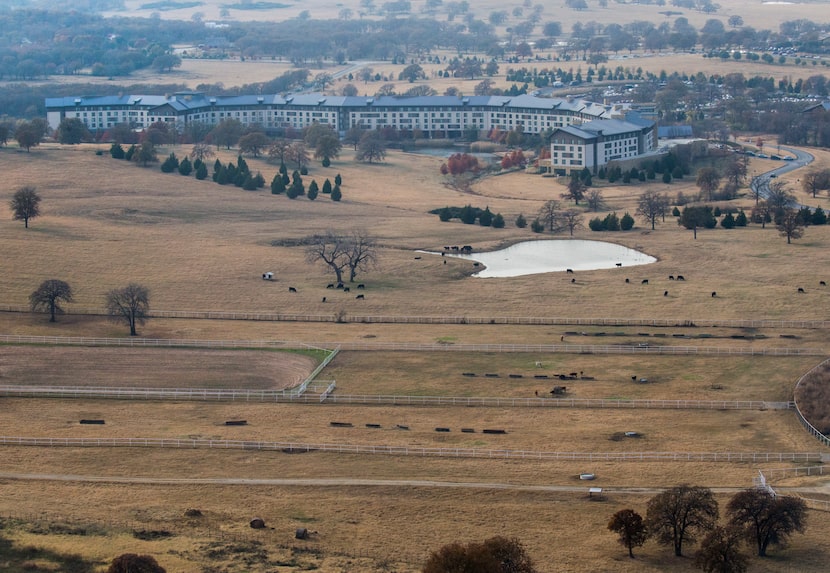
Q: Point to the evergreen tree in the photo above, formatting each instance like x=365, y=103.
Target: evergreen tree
x=498, y=221
x=445, y=214
x=336, y=195
x=338, y=180
x=292, y=192
x=297, y=187
x=196, y=163
x=741, y=219
x=326, y=187
x=627, y=222
x=467, y=214
x=128, y=156
x=170, y=164
x=303, y=170
x=241, y=164
x=326, y=162
x=249, y=184
x=486, y=218
x=185, y=167
x=611, y=222
x=716, y=211
x=666, y=177
x=537, y=226
x=201, y=172
x=312, y=190
x=240, y=177
x=116, y=151
x=675, y=212
x=283, y=169
x=521, y=222
x=221, y=176
x=231, y=169
x=819, y=217
x=277, y=186
x=596, y=224
x=286, y=180
x=728, y=221
x=217, y=165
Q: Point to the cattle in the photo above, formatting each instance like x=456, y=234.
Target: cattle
x=822, y=283
x=467, y=249
x=476, y=264
x=360, y=297
x=417, y=258
x=446, y=248
x=634, y=378
x=665, y=293
x=644, y=282
x=714, y=294
x=361, y=286
x=339, y=285
x=627, y=281
x=330, y=285
x=671, y=277
x=619, y=264
x=454, y=247
x=573, y=281
x=292, y=289
x=324, y=299
x=680, y=278
x=569, y=271
x=346, y=289
x=800, y=289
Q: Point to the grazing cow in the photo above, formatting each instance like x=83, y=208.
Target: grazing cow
x=324, y=299
x=619, y=264
x=680, y=278
x=446, y=248
x=671, y=277
x=360, y=297
x=822, y=283
x=476, y=264
x=330, y=285
x=538, y=364
x=292, y=289
x=346, y=289
x=443, y=254
x=569, y=271
x=339, y=285
x=361, y=286
x=627, y=281
x=634, y=378
x=714, y=294
x=800, y=289
x=467, y=249
x=665, y=293
x=573, y=281
x=417, y=258
x=644, y=282
x=454, y=247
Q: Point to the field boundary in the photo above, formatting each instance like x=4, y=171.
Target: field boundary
x=410, y=346
x=498, y=320
x=324, y=393
x=292, y=447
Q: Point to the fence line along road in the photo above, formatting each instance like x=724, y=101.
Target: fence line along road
x=291, y=447
x=501, y=320
x=323, y=392
x=410, y=346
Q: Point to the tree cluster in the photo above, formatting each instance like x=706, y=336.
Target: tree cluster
x=612, y=222
x=460, y=163
x=494, y=555
x=353, y=252
x=469, y=215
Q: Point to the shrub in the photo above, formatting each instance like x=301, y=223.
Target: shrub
x=336, y=195
x=445, y=214
x=521, y=222
x=627, y=222
x=498, y=221
x=596, y=224
x=537, y=226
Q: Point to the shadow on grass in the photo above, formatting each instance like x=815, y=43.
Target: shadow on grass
x=14, y=559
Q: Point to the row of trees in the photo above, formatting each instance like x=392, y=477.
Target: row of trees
x=469, y=215
x=680, y=515
x=129, y=304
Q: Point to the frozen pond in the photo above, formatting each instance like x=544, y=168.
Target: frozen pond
x=533, y=257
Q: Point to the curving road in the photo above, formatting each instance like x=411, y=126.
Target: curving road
x=802, y=159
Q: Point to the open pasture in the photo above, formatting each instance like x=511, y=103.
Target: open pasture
x=202, y=246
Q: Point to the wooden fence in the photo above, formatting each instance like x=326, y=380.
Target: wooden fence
x=804, y=422
x=171, y=394
x=292, y=447
x=514, y=320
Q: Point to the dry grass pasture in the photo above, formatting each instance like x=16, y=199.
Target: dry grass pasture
x=200, y=246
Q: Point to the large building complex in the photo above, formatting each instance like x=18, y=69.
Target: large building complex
x=585, y=134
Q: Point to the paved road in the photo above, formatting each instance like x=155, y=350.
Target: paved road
x=802, y=159
x=358, y=482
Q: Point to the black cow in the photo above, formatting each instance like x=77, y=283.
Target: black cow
x=361, y=286
x=359, y=297
x=346, y=289
x=619, y=264
x=665, y=293
x=339, y=285
x=714, y=294
x=644, y=282
x=627, y=281
x=330, y=285
x=680, y=278
x=292, y=289
x=800, y=289
x=822, y=283
x=570, y=271
x=671, y=277
x=324, y=299
x=573, y=281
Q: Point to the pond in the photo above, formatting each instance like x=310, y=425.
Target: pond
x=546, y=256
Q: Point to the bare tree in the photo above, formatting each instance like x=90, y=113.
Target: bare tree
x=371, y=148
x=202, y=151
x=571, y=220
x=816, y=180
x=49, y=296
x=652, y=205
x=790, y=224
x=576, y=189
x=675, y=515
x=25, y=205
x=130, y=304
x=298, y=153
x=708, y=180
x=594, y=199
x=330, y=249
x=361, y=253
x=779, y=199
x=279, y=150
x=758, y=186
x=767, y=519
x=630, y=527
x=549, y=215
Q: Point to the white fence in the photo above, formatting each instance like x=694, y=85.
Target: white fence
x=804, y=422
x=410, y=346
x=734, y=457
x=323, y=392
x=516, y=320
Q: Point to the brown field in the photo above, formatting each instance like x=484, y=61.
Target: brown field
x=199, y=246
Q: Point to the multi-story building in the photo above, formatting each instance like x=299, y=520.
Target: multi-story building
x=596, y=143
x=431, y=116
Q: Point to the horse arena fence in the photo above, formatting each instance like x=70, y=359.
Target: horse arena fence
x=294, y=447
x=804, y=422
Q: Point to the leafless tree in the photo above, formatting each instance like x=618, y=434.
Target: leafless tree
x=790, y=225
x=202, y=151
x=594, y=199
x=25, y=205
x=571, y=220
x=130, y=304
x=652, y=205
x=49, y=295
x=361, y=253
x=298, y=153
x=549, y=215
